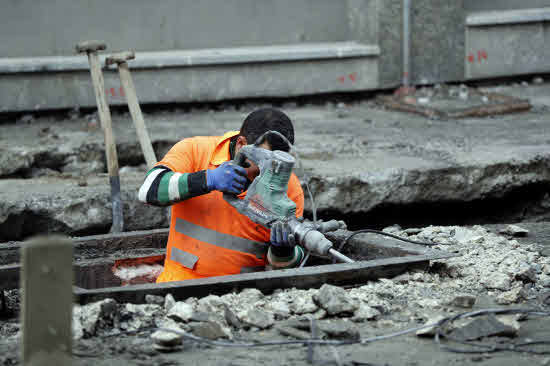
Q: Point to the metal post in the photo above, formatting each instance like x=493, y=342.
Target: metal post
x=406, y=42
x=46, y=283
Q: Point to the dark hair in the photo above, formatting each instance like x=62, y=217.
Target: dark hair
x=266, y=119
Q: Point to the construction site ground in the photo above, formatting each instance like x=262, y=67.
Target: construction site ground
x=366, y=165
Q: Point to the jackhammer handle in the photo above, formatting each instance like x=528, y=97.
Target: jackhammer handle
x=316, y=242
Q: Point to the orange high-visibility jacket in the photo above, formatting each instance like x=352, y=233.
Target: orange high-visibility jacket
x=208, y=237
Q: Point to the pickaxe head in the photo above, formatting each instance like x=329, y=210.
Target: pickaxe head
x=119, y=57
x=90, y=46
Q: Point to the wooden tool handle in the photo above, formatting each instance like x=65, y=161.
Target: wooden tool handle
x=110, y=146
x=104, y=114
x=137, y=116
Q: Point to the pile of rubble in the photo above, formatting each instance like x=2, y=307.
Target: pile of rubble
x=490, y=265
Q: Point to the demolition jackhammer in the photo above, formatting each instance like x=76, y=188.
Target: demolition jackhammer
x=267, y=202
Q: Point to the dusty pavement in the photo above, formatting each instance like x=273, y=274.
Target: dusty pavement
x=370, y=166
x=494, y=271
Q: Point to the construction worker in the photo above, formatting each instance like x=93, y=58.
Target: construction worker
x=208, y=237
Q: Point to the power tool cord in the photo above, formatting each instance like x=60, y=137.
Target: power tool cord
x=383, y=234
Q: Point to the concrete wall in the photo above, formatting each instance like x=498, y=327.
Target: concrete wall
x=484, y=5
x=176, y=33
x=53, y=27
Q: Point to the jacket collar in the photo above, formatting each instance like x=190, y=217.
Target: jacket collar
x=221, y=152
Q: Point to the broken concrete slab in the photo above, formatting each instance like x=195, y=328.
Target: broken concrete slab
x=339, y=328
x=353, y=166
x=156, y=300
x=47, y=205
x=365, y=312
x=514, y=230
x=430, y=331
x=180, y=311
x=292, y=332
x=87, y=319
x=464, y=301
x=166, y=338
x=210, y=330
x=481, y=327
x=169, y=302
x=256, y=318
x=335, y=300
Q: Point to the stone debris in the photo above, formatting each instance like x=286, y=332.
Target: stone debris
x=231, y=318
x=526, y=273
x=181, y=311
x=514, y=230
x=137, y=316
x=487, y=326
x=292, y=332
x=169, y=302
x=365, y=312
x=201, y=316
x=280, y=309
x=257, y=318
x=154, y=299
x=166, y=339
x=303, y=303
x=498, y=281
x=430, y=331
x=463, y=301
x=490, y=266
x=210, y=330
x=251, y=295
x=335, y=300
x=89, y=318
x=339, y=328
x=511, y=321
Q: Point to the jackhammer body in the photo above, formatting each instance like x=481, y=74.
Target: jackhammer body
x=267, y=202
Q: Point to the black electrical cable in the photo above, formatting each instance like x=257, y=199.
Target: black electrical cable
x=384, y=234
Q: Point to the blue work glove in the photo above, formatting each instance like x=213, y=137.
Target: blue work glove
x=281, y=235
x=228, y=177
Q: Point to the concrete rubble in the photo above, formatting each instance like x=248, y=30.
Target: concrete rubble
x=490, y=265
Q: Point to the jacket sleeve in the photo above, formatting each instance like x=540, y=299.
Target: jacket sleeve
x=174, y=179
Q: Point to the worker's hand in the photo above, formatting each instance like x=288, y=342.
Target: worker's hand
x=228, y=177
x=281, y=235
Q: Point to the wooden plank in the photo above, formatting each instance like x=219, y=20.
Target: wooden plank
x=47, y=280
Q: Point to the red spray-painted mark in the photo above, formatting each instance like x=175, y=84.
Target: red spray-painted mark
x=482, y=55
x=353, y=77
x=114, y=93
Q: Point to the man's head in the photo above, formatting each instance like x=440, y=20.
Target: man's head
x=263, y=120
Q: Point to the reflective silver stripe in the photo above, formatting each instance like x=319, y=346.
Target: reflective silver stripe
x=220, y=239
x=184, y=258
x=252, y=269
